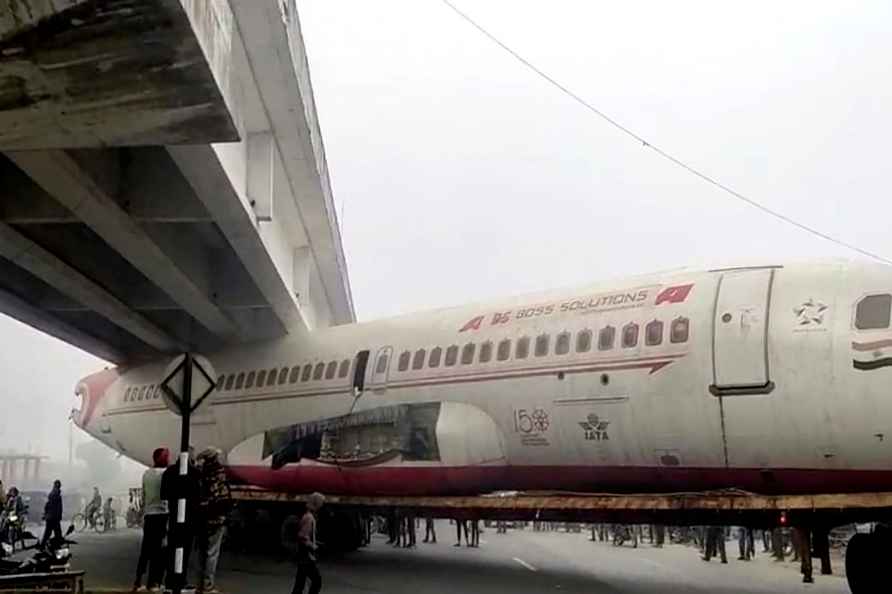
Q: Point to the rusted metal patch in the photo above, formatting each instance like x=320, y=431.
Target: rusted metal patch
x=107, y=73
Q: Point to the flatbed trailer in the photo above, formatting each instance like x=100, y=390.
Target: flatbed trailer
x=342, y=520
x=729, y=507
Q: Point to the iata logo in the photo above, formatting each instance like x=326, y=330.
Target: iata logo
x=595, y=428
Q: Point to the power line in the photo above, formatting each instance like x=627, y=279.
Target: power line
x=666, y=155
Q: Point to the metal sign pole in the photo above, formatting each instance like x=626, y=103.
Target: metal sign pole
x=179, y=398
x=186, y=411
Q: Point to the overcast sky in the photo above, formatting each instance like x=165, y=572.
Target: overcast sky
x=462, y=176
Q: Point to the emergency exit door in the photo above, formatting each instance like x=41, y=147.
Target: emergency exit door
x=740, y=326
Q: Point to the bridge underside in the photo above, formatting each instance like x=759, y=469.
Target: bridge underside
x=158, y=189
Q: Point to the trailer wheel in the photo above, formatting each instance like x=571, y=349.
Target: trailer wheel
x=862, y=563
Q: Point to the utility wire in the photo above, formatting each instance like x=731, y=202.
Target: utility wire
x=666, y=155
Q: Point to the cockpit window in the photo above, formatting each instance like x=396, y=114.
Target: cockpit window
x=873, y=312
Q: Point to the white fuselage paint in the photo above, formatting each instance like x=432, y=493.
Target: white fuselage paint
x=781, y=342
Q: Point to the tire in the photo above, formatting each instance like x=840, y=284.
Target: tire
x=80, y=521
x=862, y=559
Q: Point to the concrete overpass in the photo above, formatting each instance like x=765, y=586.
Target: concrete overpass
x=163, y=183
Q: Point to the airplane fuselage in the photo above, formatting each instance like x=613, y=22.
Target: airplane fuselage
x=770, y=379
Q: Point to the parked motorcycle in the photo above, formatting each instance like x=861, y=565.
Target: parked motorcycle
x=12, y=530
x=55, y=556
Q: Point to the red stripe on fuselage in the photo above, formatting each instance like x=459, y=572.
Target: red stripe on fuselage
x=472, y=480
x=871, y=346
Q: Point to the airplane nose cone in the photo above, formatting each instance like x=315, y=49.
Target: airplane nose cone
x=91, y=390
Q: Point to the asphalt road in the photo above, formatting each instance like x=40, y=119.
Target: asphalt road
x=521, y=562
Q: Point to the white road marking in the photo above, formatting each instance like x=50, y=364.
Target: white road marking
x=525, y=564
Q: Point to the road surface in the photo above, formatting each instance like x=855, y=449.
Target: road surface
x=520, y=562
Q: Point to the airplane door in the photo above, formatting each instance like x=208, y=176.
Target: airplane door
x=740, y=333
x=382, y=365
x=359, y=371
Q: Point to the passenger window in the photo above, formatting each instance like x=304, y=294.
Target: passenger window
x=467, y=353
x=294, y=375
x=679, y=330
x=486, y=352
x=229, y=381
x=142, y=393
x=283, y=375
x=381, y=366
x=249, y=381
x=220, y=381
x=522, y=351
x=434, y=360
x=344, y=371
x=504, y=352
x=318, y=371
x=451, y=356
x=606, y=337
x=418, y=359
x=562, y=344
x=653, y=333
x=584, y=341
x=306, y=373
x=127, y=395
x=151, y=394
x=331, y=370
x=542, y=343
x=873, y=312
x=404, y=360
x=240, y=381
x=630, y=335
x=271, y=377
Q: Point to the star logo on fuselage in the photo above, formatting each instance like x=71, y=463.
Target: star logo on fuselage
x=810, y=312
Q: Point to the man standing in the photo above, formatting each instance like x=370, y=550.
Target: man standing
x=745, y=544
x=460, y=525
x=154, y=524
x=803, y=546
x=52, y=514
x=430, y=531
x=715, y=543
x=306, y=549
x=475, y=533
x=213, y=508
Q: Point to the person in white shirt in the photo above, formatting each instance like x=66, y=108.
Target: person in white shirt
x=154, y=527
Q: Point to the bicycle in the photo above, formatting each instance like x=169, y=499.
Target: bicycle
x=81, y=520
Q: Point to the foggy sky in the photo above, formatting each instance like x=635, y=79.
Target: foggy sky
x=462, y=176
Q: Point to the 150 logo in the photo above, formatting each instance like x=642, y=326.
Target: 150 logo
x=531, y=424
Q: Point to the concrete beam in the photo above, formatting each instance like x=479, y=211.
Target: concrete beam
x=63, y=178
x=26, y=313
x=26, y=254
x=261, y=160
x=148, y=180
x=115, y=72
x=201, y=167
x=276, y=57
x=19, y=16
